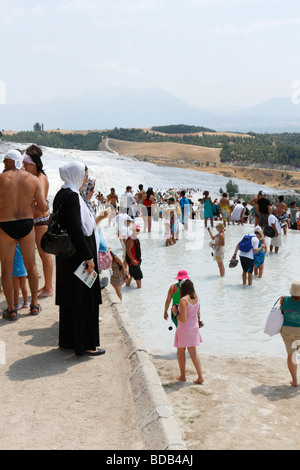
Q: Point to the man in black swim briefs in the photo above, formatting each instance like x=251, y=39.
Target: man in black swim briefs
x=17, y=228
x=18, y=189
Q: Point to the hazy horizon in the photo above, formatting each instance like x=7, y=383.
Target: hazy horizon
x=95, y=90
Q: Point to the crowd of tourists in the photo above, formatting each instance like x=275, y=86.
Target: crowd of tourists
x=25, y=218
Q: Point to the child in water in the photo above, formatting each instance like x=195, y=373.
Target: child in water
x=259, y=256
x=167, y=235
x=218, y=245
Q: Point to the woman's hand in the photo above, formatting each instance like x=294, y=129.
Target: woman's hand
x=90, y=266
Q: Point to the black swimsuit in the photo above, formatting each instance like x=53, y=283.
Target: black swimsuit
x=17, y=229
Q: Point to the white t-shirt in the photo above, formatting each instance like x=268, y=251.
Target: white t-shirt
x=236, y=213
x=272, y=219
x=254, y=243
x=125, y=232
x=126, y=200
x=121, y=222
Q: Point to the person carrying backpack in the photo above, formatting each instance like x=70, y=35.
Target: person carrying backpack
x=247, y=247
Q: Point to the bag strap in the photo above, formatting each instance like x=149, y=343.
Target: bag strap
x=55, y=214
x=276, y=302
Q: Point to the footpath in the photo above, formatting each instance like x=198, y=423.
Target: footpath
x=54, y=400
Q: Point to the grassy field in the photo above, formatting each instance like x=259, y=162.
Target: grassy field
x=201, y=159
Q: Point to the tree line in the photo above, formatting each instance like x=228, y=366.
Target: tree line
x=89, y=141
x=271, y=149
x=180, y=129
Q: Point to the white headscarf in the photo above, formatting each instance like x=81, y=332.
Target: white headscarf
x=72, y=174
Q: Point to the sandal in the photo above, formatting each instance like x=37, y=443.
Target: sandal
x=35, y=309
x=10, y=315
x=44, y=294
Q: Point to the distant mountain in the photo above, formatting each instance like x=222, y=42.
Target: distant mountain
x=103, y=109
x=274, y=115
x=111, y=107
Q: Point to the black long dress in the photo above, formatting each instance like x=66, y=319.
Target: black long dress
x=79, y=304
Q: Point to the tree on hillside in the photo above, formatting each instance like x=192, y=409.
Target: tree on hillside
x=232, y=188
x=37, y=127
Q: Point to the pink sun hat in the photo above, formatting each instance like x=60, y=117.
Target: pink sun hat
x=182, y=275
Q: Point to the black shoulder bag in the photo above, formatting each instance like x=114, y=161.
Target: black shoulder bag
x=56, y=241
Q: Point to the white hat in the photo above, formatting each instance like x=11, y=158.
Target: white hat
x=263, y=193
x=16, y=156
x=258, y=229
x=295, y=289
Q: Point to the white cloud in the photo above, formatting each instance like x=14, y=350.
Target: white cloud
x=122, y=5
x=110, y=66
x=10, y=13
x=77, y=5
x=249, y=28
x=38, y=10
x=46, y=47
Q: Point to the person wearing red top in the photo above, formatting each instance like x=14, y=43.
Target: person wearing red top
x=133, y=257
x=147, y=202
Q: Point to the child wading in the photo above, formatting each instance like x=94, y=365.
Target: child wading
x=218, y=245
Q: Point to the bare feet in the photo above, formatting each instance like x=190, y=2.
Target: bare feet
x=182, y=379
x=199, y=380
x=294, y=384
x=43, y=293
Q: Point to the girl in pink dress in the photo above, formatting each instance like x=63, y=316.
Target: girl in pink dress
x=187, y=333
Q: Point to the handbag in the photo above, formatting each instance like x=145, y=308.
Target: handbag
x=56, y=241
x=274, y=320
x=269, y=231
x=104, y=260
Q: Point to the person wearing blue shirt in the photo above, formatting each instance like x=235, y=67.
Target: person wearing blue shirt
x=185, y=209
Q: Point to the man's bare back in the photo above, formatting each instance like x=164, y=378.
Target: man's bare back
x=282, y=208
x=18, y=189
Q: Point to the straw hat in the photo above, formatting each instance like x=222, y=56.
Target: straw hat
x=259, y=230
x=295, y=289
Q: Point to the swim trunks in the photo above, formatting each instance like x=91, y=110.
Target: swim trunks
x=247, y=264
x=136, y=272
x=17, y=229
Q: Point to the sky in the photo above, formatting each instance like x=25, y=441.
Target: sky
x=209, y=53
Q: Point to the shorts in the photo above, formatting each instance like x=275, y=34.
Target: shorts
x=146, y=211
x=263, y=220
x=291, y=338
x=247, y=264
x=135, y=272
x=276, y=241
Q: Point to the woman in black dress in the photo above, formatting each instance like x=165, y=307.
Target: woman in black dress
x=78, y=304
